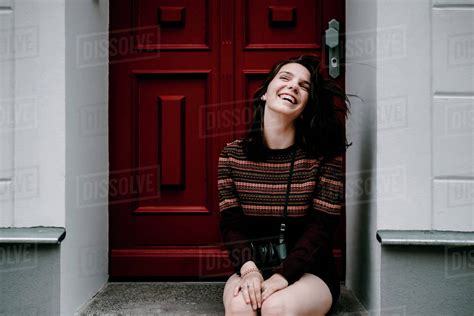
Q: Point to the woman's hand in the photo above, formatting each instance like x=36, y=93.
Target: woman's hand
x=250, y=286
x=275, y=283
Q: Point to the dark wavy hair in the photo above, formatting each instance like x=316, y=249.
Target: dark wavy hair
x=320, y=129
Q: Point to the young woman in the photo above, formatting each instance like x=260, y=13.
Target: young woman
x=295, y=119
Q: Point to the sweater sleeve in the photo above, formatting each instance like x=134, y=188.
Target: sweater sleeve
x=231, y=216
x=323, y=220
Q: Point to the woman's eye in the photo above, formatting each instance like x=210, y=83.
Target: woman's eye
x=305, y=88
x=284, y=78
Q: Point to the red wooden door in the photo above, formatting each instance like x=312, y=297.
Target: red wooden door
x=181, y=76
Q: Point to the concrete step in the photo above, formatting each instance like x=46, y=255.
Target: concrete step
x=180, y=298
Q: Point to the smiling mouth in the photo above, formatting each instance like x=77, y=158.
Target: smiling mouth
x=288, y=98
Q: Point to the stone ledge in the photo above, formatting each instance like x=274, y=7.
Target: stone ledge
x=425, y=238
x=32, y=235
x=180, y=298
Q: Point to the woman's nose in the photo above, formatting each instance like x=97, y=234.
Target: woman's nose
x=292, y=86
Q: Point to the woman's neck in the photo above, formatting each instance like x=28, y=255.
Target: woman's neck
x=278, y=132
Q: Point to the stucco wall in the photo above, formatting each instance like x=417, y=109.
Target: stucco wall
x=32, y=159
x=363, y=251
x=7, y=125
x=424, y=100
x=404, y=103
x=29, y=279
x=430, y=150
x=427, y=281
x=84, y=253
x=452, y=104
x=53, y=133
x=32, y=150
x=416, y=78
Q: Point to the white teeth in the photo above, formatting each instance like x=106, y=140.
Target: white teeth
x=288, y=98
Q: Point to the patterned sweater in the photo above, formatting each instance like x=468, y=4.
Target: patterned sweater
x=251, y=203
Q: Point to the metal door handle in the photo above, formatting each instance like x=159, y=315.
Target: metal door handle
x=332, y=41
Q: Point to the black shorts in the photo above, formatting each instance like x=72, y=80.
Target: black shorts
x=327, y=271
x=335, y=289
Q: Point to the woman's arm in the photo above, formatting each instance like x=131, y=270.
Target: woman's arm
x=231, y=216
x=236, y=242
x=323, y=220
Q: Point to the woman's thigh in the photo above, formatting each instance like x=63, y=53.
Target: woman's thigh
x=235, y=305
x=308, y=296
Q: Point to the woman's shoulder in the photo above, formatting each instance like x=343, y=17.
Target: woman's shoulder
x=235, y=143
x=234, y=147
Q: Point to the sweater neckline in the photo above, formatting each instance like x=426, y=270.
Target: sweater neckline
x=279, y=150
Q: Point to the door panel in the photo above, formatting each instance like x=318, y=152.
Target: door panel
x=269, y=25
x=182, y=24
x=169, y=120
x=177, y=96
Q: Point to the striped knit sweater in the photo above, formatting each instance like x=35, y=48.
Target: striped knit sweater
x=251, y=203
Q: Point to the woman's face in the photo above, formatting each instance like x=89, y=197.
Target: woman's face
x=288, y=92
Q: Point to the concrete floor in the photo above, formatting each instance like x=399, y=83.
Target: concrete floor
x=179, y=298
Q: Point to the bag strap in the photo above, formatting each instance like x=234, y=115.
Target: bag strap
x=285, y=210
x=317, y=186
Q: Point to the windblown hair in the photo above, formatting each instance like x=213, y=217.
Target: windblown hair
x=321, y=130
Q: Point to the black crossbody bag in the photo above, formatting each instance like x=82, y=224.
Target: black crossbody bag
x=271, y=253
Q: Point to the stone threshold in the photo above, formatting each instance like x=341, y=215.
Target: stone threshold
x=180, y=298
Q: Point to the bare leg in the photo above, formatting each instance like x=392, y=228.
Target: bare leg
x=308, y=296
x=235, y=305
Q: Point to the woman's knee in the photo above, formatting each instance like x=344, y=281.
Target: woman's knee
x=274, y=306
x=237, y=306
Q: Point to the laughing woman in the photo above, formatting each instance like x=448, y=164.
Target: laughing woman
x=290, y=163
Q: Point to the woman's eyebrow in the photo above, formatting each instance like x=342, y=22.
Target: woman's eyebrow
x=291, y=74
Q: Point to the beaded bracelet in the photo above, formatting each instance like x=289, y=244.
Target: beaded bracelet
x=248, y=271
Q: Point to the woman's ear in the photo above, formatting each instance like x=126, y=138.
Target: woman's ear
x=263, y=97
